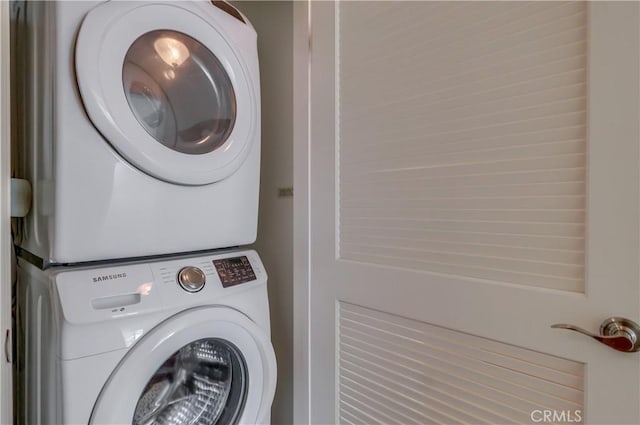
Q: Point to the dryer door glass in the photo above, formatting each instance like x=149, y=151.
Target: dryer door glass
x=179, y=92
x=205, y=383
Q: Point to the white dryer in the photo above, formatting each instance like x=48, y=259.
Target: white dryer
x=138, y=127
x=177, y=341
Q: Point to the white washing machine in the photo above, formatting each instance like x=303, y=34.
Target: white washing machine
x=138, y=127
x=177, y=341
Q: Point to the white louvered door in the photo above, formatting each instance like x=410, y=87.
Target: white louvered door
x=474, y=178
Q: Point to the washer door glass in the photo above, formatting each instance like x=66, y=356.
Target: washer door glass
x=179, y=92
x=205, y=382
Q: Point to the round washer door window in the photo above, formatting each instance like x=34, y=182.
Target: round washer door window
x=205, y=365
x=205, y=382
x=179, y=92
x=172, y=87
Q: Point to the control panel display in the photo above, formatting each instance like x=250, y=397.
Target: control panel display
x=234, y=271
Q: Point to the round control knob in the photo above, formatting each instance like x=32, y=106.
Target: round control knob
x=191, y=279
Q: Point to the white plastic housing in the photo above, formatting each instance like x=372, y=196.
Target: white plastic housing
x=89, y=202
x=77, y=351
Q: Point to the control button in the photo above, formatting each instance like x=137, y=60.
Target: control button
x=192, y=279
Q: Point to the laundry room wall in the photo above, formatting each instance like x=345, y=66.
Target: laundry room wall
x=273, y=21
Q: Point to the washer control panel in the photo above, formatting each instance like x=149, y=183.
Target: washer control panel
x=191, y=279
x=234, y=271
x=93, y=294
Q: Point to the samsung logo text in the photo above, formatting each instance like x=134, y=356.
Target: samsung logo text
x=106, y=277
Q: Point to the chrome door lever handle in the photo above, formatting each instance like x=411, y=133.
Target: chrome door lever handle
x=616, y=332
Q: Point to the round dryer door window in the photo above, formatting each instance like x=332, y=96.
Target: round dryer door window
x=205, y=382
x=172, y=87
x=179, y=92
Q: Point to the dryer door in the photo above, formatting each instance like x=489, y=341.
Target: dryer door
x=168, y=89
x=209, y=365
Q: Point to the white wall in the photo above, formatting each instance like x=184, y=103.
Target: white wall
x=273, y=21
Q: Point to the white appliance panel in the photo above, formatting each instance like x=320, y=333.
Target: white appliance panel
x=76, y=339
x=90, y=202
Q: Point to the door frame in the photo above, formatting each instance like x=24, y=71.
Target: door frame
x=6, y=385
x=302, y=43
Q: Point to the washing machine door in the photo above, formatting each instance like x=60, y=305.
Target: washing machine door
x=208, y=365
x=169, y=89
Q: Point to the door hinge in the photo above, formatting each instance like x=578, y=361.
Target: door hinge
x=285, y=192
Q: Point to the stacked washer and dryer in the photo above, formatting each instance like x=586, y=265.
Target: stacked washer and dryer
x=138, y=128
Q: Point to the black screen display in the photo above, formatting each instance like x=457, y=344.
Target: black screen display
x=234, y=271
